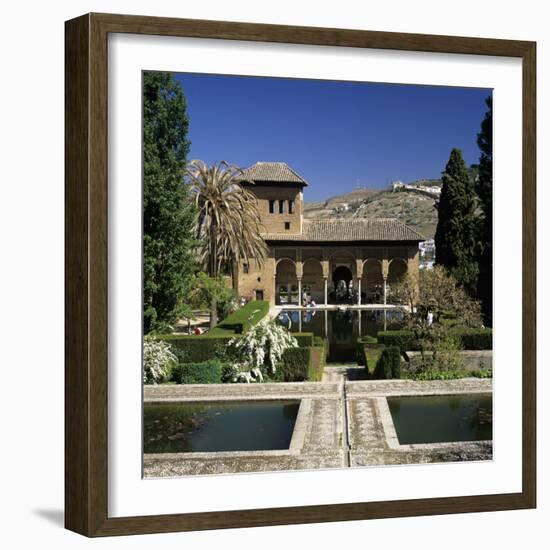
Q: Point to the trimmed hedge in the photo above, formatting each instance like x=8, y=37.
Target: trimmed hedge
x=196, y=349
x=294, y=364
x=301, y=364
x=362, y=357
x=242, y=320
x=208, y=372
x=318, y=341
x=388, y=365
x=470, y=338
x=305, y=339
x=403, y=339
x=317, y=358
x=475, y=338
x=368, y=341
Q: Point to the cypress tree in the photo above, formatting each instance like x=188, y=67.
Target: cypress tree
x=456, y=236
x=484, y=188
x=168, y=216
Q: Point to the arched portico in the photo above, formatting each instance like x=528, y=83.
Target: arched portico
x=313, y=284
x=286, y=282
x=372, y=280
x=341, y=279
x=314, y=273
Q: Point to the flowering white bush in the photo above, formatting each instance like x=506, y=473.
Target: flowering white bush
x=261, y=347
x=157, y=358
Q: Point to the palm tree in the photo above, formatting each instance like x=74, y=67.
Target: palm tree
x=228, y=223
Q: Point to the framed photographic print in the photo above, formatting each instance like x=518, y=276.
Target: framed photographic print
x=300, y=275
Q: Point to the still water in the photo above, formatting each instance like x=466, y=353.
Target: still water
x=442, y=418
x=183, y=427
x=341, y=329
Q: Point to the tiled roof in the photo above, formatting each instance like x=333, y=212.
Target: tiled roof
x=277, y=172
x=358, y=229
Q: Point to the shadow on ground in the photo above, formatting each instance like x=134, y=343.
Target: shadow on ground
x=356, y=373
x=57, y=517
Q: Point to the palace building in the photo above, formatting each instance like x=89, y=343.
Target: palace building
x=339, y=260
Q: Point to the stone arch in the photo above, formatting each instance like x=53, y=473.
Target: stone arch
x=397, y=269
x=342, y=273
x=372, y=281
x=313, y=283
x=286, y=281
x=285, y=259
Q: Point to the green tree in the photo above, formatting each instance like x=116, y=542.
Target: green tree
x=484, y=188
x=456, y=236
x=228, y=223
x=168, y=215
x=432, y=296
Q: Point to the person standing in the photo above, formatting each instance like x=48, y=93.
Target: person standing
x=430, y=318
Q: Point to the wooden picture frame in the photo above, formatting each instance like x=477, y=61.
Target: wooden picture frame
x=86, y=279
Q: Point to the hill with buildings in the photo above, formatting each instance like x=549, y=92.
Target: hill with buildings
x=409, y=203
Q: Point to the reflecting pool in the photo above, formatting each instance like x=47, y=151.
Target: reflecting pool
x=341, y=328
x=442, y=418
x=183, y=427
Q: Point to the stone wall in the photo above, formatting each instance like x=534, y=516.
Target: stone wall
x=275, y=223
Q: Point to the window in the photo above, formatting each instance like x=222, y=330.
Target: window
x=287, y=225
x=291, y=206
x=272, y=207
x=245, y=268
x=281, y=207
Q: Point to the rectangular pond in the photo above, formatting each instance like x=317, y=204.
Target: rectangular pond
x=341, y=328
x=442, y=418
x=183, y=427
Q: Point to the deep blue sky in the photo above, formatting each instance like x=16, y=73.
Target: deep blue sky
x=336, y=135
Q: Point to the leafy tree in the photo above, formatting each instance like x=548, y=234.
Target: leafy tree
x=206, y=289
x=168, y=215
x=432, y=296
x=456, y=242
x=228, y=223
x=484, y=190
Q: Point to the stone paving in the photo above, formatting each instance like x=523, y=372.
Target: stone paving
x=319, y=440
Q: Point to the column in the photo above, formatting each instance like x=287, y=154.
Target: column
x=359, y=272
x=299, y=274
x=326, y=290
x=385, y=318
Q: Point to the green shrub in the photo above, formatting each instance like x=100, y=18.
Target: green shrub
x=474, y=338
x=318, y=341
x=294, y=364
x=305, y=339
x=241, y=320
x=469, y=338
x=403, y=339
x=316, y=363
x=388, y=365
x=369, y=341
x=196, y=349
x=209, y=372
x=482, y=373
x=362, y=356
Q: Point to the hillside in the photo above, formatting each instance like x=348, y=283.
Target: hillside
x=417, y=210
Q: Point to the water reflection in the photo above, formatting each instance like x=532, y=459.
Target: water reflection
x=340, y=327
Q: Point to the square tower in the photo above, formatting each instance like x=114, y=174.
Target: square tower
x=279, y=190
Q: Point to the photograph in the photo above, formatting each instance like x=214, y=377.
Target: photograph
x=317, y=269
